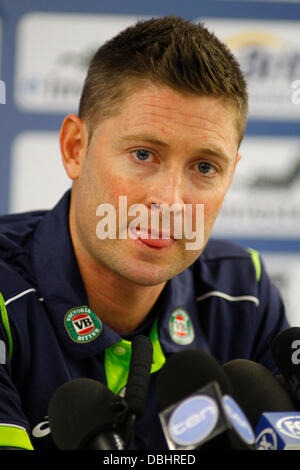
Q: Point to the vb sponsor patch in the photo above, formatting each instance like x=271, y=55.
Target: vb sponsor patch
x=82, y=324
x=181, y=328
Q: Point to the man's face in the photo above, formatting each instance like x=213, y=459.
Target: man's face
x=162, y=148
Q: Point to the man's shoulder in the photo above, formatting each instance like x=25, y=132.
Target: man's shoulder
x=227, y=266
x=16, y=239
x=16, y=231
x=218, y=250
x=17, y=227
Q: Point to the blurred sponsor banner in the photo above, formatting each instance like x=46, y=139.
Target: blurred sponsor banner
x=37, y=178
x=2, y=83
x=264, y=199
x=2, y=92
x=269, y=54
x=1, y=42
x=284, y=270
x=53, y=51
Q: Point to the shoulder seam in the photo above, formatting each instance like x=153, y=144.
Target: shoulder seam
x=5, y=319
x=25, y=292
x=228, y=297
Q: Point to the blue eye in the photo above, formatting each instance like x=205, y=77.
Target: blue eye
x=143, y=154
x=205, y=168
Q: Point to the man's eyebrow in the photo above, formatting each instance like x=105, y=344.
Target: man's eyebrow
x=212, y=151
x=145, y=137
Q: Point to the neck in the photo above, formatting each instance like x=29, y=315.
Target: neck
x=119, y=303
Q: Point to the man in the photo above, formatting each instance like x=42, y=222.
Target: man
x=161, y=117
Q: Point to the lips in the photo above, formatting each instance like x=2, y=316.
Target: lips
x=157, y=243
x=153, y=239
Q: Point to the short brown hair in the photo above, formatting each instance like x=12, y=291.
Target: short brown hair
x=168, y=51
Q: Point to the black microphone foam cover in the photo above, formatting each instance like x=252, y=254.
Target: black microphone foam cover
x=256, y=389
x=139, y=374
x=283, y=341
x=283, y=349
x=79, y=410
x=185, y=372
x=286, y=352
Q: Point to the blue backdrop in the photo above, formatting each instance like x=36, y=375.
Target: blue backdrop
x=15, y=120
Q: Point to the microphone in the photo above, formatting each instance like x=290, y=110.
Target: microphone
x=137, y=382
x=84, y=414
x=256, y=389
x=139, y=374
x=286, y=353
x=197, y=411
x=278, y=431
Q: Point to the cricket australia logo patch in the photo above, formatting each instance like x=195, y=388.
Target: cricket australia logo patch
x=180, y=327
x=82, y=324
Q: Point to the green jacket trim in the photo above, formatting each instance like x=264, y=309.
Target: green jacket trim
x=256, y=261
x=117, y=360
x=5, y=322
x=11, y=436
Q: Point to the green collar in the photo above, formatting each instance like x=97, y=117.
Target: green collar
x=117, y=360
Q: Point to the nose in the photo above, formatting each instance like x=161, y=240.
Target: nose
x=167, y=190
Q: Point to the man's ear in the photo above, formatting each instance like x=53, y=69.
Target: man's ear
x=73, y=140
x=238, y=158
